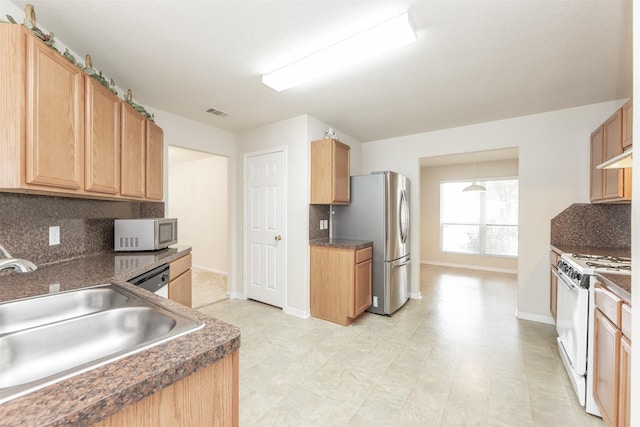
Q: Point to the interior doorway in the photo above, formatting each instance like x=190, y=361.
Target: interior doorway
x=464, y=169
x=198, y=196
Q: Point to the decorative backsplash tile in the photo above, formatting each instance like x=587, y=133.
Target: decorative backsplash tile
x=86, y=226
x=600, y=225
x=316, y=214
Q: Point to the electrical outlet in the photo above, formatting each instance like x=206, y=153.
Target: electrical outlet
x=375, y=301
x=54, y=287
x=54, y=235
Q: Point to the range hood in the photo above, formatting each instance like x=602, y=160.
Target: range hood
x=620, y=161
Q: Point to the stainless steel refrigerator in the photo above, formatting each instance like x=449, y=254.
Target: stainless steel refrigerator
x=379, y=211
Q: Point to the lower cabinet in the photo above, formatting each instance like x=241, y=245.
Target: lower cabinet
x=180, y=280
x=340, y=283
x=208, y=397
x=553, y=284
x=612, y=357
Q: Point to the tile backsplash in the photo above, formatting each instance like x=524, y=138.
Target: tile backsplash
x=86, y=226
x=596, y=225
x=316, y=214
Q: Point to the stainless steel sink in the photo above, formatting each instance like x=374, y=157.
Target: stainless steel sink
x=50, y=338
x=31, y=312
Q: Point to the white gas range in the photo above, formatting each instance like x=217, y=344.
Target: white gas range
x=575, y=313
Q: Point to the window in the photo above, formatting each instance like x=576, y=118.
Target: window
x=480, y=223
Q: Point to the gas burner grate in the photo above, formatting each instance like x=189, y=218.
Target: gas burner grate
x=605, y=258
x=613, y=267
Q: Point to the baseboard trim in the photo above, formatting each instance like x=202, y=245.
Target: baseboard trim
x=415, y=295
x=540, y=318
x=236, y=295
x=470, y=267
x=210, y=270
x=303, y=314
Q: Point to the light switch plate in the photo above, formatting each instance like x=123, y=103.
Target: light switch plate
x=54, y=235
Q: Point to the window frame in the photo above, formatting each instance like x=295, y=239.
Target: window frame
x=483, y=225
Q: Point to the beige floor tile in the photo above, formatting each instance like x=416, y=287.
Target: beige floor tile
x=207, y=287
x=456, y=357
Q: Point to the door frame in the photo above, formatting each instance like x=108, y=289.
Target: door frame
x=245, y=219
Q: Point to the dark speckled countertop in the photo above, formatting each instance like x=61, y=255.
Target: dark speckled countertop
x=340, y=243
x=620, y=284
x=89, y=397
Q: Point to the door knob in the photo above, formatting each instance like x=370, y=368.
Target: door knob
x=278, y=237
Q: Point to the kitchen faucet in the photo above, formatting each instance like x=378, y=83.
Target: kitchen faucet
x=17, y=264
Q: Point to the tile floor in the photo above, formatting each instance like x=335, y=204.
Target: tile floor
x=207, y=287
x=457, y=357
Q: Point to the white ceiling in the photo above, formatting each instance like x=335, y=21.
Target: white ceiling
x=475, y=61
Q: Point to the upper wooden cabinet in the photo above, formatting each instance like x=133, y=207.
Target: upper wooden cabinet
x=330, y=172
x=154, y=162
x=627, y=124
x=609, y=185
x=102, y=139
x=133, y=171
x=41, y=116
x=64, y=133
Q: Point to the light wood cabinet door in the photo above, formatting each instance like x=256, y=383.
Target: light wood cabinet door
x=627, y=125
x=597, y=157
x=624, y=413
x=554, y=257
x=208, y=397
x=361, y=289
x=133, y=161
x=180, y=280
x=606, y=385
x=180, y=289
x=330, y=172
x=154, y=166
x=553, y=294
x=341, y=173
x=613, y=179
x=102, y=139
x=340, y=288
x=54, y=119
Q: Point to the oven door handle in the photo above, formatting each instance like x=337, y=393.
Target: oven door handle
x=570, y=286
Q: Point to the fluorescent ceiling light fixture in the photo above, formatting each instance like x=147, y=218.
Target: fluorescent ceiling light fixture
x=382, y=38
x=624, y=160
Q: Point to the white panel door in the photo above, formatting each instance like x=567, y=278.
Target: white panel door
x=264, y=226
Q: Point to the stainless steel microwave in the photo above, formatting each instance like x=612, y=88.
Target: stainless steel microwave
x=144, y=234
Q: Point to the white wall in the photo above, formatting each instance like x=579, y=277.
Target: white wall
x=198, y=197
x=186, y=133
x=295, y=134
x=430, y=179
x=549, y=182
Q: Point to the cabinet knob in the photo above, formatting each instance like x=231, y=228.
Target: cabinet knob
x=278, y=237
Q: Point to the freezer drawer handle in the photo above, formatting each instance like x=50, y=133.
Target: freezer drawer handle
x=402, y=264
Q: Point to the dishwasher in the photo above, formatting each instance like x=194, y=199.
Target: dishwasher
x=156, y=280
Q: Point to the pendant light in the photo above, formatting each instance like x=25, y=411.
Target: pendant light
x=474, y=186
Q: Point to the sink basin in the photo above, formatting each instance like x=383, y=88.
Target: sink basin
x=31, y=312
x=77, y=331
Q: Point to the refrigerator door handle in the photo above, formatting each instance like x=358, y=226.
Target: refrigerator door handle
x=404, y=216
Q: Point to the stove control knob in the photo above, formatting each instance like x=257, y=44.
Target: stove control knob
x=578, y=276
